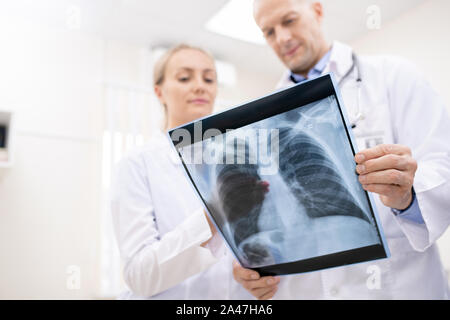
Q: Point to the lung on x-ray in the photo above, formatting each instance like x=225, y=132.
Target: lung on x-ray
x=277, y=176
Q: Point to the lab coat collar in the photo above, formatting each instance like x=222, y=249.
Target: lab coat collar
x=340, y=61
x=160, y=138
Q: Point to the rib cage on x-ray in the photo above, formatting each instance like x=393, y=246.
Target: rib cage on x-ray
x=313, y=177
x=304, y=165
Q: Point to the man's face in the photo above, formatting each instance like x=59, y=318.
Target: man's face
x=293, y=29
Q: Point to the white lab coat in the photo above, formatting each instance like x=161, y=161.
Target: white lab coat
x=159, y=226
x=399, y=107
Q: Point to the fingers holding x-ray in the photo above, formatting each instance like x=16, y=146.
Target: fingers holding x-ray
x=389, y=171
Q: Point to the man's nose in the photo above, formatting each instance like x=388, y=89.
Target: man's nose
x=283, y=35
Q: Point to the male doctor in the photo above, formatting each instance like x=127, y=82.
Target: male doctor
x=403, y=130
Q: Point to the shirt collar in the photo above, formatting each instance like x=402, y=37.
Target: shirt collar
x=320, y=66
x=315, y=71
x=340, y=61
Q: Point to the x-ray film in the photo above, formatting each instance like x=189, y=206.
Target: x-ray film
x=277, y=177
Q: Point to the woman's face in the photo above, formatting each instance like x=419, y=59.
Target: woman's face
x=189, y=88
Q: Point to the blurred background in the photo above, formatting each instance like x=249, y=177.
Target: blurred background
x=75, y=95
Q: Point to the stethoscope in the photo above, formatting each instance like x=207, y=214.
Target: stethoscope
x=359, y=114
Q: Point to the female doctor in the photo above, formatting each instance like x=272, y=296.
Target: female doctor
x=169, y=247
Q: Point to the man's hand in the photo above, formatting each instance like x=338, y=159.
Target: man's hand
x=262, y=288
x=389, y=171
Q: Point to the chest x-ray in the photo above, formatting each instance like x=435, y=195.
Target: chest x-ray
x=284, y=189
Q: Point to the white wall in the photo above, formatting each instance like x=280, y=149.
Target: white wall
x=250, y=85
x=51, y=199
x=420, y=35
x=48, y=199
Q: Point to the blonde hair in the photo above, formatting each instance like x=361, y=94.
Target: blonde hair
x=160, y=67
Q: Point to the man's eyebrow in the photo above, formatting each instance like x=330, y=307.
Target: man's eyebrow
x=290, y=13
x=282, y=18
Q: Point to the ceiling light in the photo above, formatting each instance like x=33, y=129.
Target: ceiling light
x=235, y=20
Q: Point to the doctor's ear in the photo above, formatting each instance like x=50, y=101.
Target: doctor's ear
x=317, y=8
